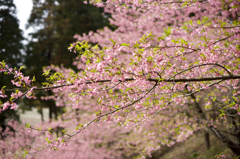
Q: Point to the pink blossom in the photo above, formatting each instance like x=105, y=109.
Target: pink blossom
x=16, y=83
x=6, y=105
x=2, y=94
x=49, y=134
x=14, y=106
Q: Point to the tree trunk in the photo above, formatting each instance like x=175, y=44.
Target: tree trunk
x=42, y=118
x=207, y=140
x=61, y=112
x=77, y=115
x=50, y=113
x=234, y=147
x=52, y=108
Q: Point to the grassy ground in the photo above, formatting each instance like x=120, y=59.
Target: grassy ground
x=194, y=148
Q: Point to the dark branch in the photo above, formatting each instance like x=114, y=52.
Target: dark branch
x=149, y=79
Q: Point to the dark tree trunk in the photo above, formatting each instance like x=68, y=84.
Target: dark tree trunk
x=61, y=112
x=42, y=118
x=77, y=114
x=207, y=140
x=234, y=147
x=55, y=112
x=52, y=108
x=50, y=113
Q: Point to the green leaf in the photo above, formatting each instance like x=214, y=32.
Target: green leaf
x=3, y=64
x=25, y=153
x=167, y=31
x=191, y=22
x=34, y=79
x=185, y=4
x=45, y=83
x=124, y=44
x=22, y=67
x=46, y=73
x=114, y=42
x=28, y=125
x=95, y=47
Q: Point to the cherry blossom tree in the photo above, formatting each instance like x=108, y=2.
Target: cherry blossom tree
x=169, y=69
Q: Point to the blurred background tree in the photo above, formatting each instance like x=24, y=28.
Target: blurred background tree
x=56, y=22
x=10, y=52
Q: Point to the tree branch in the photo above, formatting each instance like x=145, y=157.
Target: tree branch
x=181, y=80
